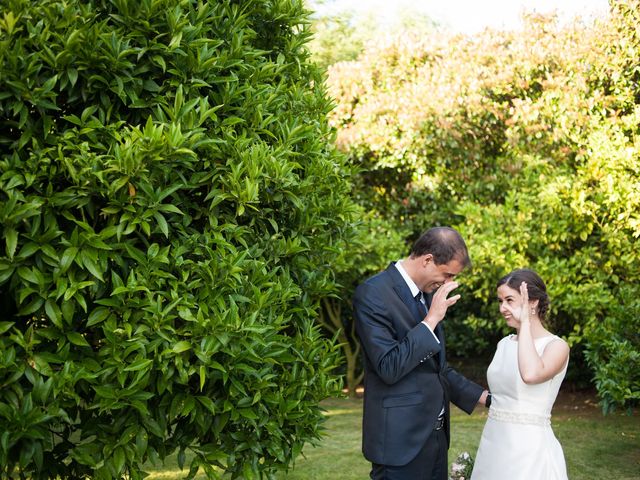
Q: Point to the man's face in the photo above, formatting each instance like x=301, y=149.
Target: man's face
x=433, y=276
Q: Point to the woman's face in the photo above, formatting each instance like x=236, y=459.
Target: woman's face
x=509, y=297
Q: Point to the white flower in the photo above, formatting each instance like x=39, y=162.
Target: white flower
x=462, y=467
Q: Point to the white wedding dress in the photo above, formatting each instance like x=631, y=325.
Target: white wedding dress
x=517, y=442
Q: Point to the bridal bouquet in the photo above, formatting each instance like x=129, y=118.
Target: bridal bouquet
x=462, y=467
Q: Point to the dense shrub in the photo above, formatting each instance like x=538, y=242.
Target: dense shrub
x=614, y=351
x=528, y=143
x=170, y=208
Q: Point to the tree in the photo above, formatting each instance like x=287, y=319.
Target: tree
x=170, y=208
x=344, y=35
x=337, y=38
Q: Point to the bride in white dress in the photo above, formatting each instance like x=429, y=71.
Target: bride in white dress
x=524, y=377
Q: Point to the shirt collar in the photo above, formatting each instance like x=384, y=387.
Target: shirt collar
x=410, y=283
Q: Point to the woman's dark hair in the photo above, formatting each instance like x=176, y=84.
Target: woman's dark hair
x=444, y=243
x=535, y=286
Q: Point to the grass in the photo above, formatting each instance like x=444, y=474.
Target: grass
x=595, y=446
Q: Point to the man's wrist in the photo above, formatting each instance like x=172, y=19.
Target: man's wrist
x=430, y=323
x=487, y=402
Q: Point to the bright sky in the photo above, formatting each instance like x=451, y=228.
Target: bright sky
x=469, y=16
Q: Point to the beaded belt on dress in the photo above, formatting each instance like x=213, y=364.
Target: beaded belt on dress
x=519, y=417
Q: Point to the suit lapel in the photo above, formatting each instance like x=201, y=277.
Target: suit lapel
x=404, y=292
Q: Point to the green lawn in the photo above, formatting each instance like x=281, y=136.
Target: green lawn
x=595, y=447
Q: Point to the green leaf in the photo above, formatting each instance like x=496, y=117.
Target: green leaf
x=68, y=308
x=28, y=275
x=118, y=460
x=6, y=274
x=151, y=85
x=141, y=364
x=72, y=74
x=77, y=339
x=248, y=413
x=72, y=119
x=49, y=84
x=5, y=326
x=186, y=314
x=203, y=376
x=91, y=266
x=98, y=315
x=67, y=258
x=107, y=392
x=11, y=237
x=175, y=42
x=160, y=61
x=153, y=250
x=120, y=290
x=162, y=223
x=181, y=346
x=28, y=249
x=167, y=207
x=32, y=307
x=208, y=403
x=54, y=313
x=88, y=111
x=142, y=441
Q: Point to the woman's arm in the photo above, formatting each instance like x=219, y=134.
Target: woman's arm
x=535, y=368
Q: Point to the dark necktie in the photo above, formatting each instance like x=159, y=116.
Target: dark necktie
x=422, y=308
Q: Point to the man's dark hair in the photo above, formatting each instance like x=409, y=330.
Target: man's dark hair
x=444, y=243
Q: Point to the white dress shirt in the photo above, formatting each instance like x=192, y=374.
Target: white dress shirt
x=414, y=291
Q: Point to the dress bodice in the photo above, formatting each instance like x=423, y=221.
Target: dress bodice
x=508, y=390
x=517, y=441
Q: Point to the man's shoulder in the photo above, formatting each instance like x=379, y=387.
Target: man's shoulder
x=383, y=277
x=377, y=283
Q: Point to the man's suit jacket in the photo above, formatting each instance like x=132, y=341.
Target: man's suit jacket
x=407, y=380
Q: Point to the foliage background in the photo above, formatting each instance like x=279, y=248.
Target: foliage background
x=527, y=142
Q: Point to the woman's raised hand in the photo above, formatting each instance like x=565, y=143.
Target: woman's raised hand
x=520, y=313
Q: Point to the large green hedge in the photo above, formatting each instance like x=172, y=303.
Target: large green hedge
x=527, y=142
x=170, y=208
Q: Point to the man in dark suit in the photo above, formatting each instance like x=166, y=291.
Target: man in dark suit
x=408, y=384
